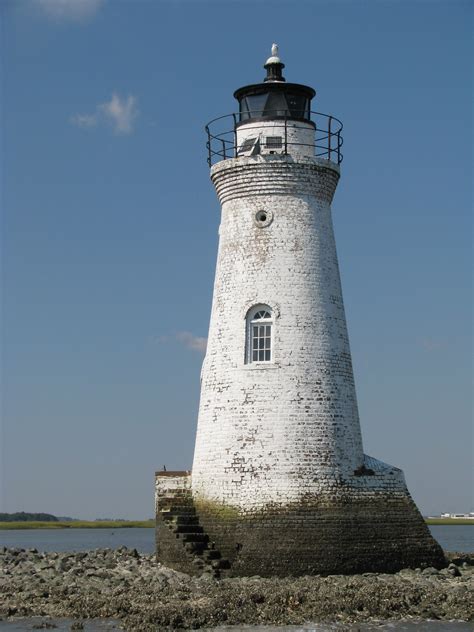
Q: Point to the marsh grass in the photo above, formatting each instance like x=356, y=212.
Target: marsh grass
x=80, y=524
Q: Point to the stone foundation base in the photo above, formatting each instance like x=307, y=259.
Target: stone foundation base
x=354, y=531
x=372, y=535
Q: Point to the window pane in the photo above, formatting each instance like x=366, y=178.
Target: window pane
x=244, y=110
x=276, y=105
x=256, y=104
x=297, y=105
x=259, y=335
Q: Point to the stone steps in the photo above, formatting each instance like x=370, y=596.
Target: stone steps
x=179, y=514
x=187, y=528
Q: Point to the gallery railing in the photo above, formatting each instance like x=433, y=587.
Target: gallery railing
x=222, y=135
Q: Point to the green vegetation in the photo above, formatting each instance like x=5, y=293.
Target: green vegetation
x=219, y=510
x=78, y=524
x=22, y=516
x=463, y=521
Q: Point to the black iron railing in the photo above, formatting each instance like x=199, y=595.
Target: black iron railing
x=222, y=136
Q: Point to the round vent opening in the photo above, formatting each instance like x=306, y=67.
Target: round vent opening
x=263, y=218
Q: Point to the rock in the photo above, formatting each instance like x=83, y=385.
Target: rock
x=61, y=565
x=147, y=596
x=429, y=571
x=454, y=570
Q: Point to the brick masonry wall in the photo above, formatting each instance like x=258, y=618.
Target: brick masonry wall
x=349, y=529
x=172, y=490
x=280, y=482
x=275, y=432
x=329, y=534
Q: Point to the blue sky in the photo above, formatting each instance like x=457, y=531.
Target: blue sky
x=109, y=232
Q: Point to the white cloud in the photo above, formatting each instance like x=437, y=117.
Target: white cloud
x=186, y=338
x=189, y=340
x=120, y=113
x=69, y=10
x=84, y=120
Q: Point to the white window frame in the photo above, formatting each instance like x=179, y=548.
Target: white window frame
x=251, y=322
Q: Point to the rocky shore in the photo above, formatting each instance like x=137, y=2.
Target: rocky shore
x=146, y=596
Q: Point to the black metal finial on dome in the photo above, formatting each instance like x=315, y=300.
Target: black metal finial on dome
x=274, y=66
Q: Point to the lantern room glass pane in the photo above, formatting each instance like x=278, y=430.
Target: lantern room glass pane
x=297, y=104
x=244, y=110
x=276, y=105
x=256, y=105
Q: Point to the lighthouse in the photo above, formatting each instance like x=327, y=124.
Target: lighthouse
x=280, y=484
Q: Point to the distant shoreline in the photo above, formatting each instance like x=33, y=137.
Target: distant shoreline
x=79, y=524
x=149, y=524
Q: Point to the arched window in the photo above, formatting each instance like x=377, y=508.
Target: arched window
x=259, y=334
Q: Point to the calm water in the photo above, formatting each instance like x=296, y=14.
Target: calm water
x=451, y=538
x=79, y=539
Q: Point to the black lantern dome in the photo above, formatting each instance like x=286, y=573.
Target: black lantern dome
x=274, y=98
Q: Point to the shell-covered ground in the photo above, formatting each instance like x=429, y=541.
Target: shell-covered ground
x=146, y=596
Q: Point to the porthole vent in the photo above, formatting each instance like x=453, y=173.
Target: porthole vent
x=263, y=218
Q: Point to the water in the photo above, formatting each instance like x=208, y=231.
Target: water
x=451, y=538
x=79, y=539
x=456, y=537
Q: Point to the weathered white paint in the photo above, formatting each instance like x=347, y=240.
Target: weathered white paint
x=169, y=485
x=276, y=433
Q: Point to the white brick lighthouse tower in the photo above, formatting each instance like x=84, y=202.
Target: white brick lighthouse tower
x=280, y=484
